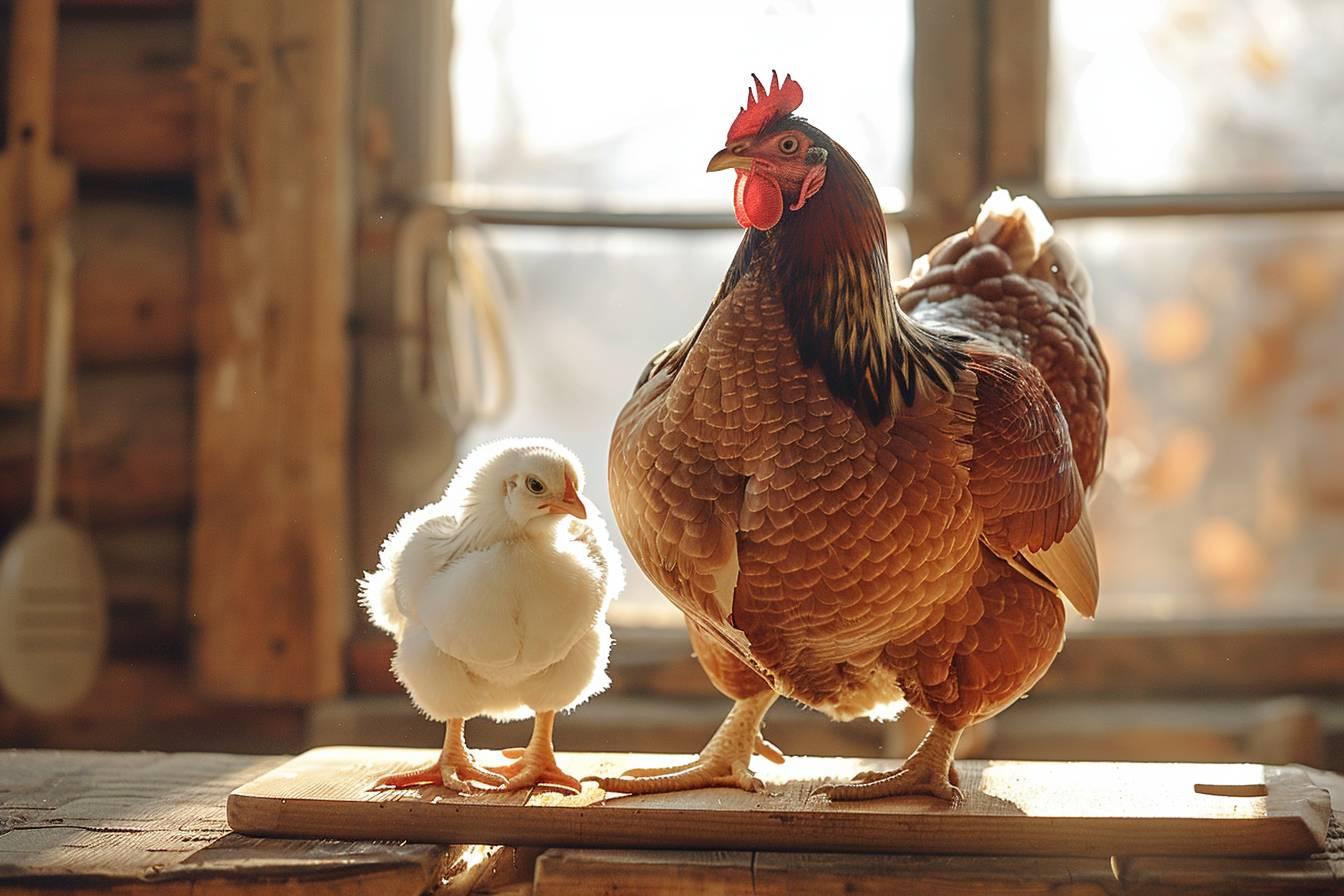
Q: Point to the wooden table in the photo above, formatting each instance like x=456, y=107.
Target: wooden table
x=152, y=824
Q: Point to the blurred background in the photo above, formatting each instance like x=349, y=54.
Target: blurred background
x=323, y=249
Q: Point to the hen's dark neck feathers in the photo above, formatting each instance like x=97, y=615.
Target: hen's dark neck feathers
x=827, y=263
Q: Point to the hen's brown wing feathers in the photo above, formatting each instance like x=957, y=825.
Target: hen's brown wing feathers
x=1022, y=472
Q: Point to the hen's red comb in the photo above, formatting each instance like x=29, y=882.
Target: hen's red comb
x=765, y=106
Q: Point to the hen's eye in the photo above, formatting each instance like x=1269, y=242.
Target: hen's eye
x=788, y=145
x=534, y=485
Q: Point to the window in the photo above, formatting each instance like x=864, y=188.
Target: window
x=1209, y=211
x=612, y=111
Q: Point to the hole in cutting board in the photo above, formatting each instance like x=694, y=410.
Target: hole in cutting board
x=1232, y=789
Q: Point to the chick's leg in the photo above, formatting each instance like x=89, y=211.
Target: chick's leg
x=536, y=765
x=454, y=770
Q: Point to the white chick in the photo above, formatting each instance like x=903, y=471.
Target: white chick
x=497, y=596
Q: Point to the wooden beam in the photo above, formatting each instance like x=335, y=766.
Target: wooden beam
x=945, y=156
x=148, y=704
x=1017, y=92
x=135, y=282
x=271, y=582
x=123, y=95
x=145, y=572
x=127, y=453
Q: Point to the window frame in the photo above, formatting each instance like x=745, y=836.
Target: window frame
x=980, y=99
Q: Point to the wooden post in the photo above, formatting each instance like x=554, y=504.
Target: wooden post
x=271, y=584
x=945, y=158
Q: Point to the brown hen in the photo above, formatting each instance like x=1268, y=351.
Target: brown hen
x=859, y=492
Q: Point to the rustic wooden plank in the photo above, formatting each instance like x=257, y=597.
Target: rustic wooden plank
x=135, y=281
x=571, y=872
x=780, y=874
x=1011, y=808
x=127, y=450
x=1201, y=657
x=123, y=98
x=271, y=583
x=148, y=704
x=673, y=872
x=145, y=574
x=133, y=823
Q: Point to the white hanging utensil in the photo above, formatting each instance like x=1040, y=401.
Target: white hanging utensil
x=53, y=615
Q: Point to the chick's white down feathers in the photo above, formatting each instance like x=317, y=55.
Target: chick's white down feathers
x=496, y=600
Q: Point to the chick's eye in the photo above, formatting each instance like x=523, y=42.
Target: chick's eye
x=788, y=145
x=534, y=485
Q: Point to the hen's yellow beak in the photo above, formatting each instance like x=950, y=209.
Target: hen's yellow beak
x=725, y=159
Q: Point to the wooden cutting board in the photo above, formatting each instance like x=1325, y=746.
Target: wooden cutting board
x=1011, y=808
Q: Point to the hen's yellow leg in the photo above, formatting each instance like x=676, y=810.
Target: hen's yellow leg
x=455, y=768
x=724, y=762
x=928, y=771
x=536, y=765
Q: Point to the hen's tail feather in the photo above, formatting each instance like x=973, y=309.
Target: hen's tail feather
x=1021, y=229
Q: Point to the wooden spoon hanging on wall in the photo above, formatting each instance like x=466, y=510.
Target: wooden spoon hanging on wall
x=53, y=616
x=36, y=192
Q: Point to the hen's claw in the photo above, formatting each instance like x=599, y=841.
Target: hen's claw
x=929, y=770
x=767, y=750
x=905, y=782
x=724, y=762
x=703, y=772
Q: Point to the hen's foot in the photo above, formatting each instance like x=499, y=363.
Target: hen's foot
x=455, y=770
x=536, y=766
x=929, y=770
x=724, y=762
x=905, y=782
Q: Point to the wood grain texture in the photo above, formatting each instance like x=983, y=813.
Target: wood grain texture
x=1011, y=808
x=154, y=823
x=148, y=704
x=123, y=96
x=123, y=93
x=36, y=192
x=272, y=588
x=127, y=452
x=135, y=283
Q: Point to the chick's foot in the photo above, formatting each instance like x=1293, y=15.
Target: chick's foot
x=928, y=771
x=455, y=769
x=724, y=762
x=536, y=765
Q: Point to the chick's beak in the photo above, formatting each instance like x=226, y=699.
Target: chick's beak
x=725, y=159
x=571, y=503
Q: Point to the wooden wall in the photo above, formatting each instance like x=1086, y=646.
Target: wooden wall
x=124, y=115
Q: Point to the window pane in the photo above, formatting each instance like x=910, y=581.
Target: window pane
x=594, y=307
x=1223, y=492
x=606, y=102
x=1161, y=96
